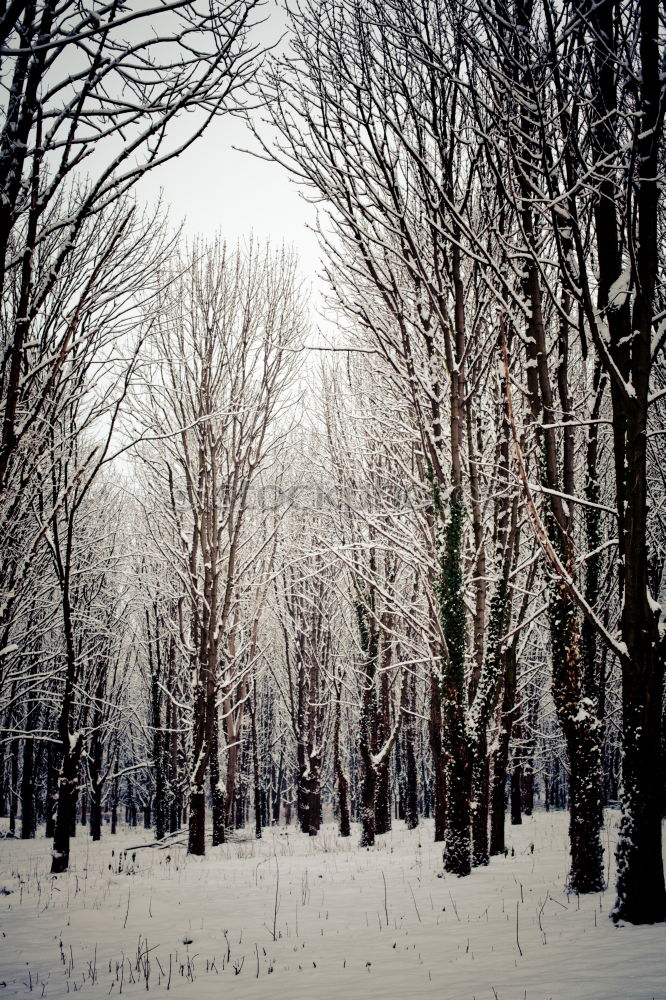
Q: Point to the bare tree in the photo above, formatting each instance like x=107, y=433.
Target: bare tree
x=216, y=374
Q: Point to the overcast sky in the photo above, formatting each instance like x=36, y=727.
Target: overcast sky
x=213, y=187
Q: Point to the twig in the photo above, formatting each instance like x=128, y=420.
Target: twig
x=277, y=900
x=414, y=901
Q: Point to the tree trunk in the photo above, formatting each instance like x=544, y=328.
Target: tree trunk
x=3, y=782
x=52, y=772
x=501, y=753
x=480, y=795
x=458, y=842
x=216, y=787
x=232, y=774
x=516, y=801
x=340, y=776
x=641, y=892
x=383, y=777
x=411, y=779
x=240, y=811
x=196, y=842
x=586, y=813
x=439, y=761
x=314, y=796
x=367, y=794
x=370, y=646
x=28, y=818
x=383, y=797
x=13, y=784
x=28, y=777
x=175, y=788
x=641, y=898
x=577, y=714
x=277, y=792
x=527, y=784
x=303, y=787
x=256, y=774
x=96, y=810
x=67, y=789
x=114, y=806
x=160, y=758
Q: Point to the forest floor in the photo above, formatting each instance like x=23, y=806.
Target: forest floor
x=320, y=918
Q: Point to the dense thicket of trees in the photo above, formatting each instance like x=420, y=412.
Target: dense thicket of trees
x=422, y=579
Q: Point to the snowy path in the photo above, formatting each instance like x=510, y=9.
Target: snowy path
x=349, y=923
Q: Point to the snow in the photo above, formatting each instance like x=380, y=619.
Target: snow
x=655, y=606
x=619, y=290
x=299, y=917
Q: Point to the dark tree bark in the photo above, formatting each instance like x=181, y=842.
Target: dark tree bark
x=95, y=808
x=367, y=790
x=204, y=711
x=439, y=761
x=3, y=781
x=516, y=792
x=527, y=788
x=256, y=772
x=196, y=842
x=458, y=842
x=340, y=776
x=71, y=745
x=500, y=757
x=278, y=790
x=382, y=734
x=159, y=736
x=175, y=790
x=641, y=891
x=314, y=796
x=240, y=810
x=216, y=786
x=14, y=748
x=67, y=791
x=370, y=650
x=233, y=751
x=52, y=771
x=114, y=806
x=95, y=762
x=28, y=816
x=410, y=782
x=302, y=788
x=480, y=802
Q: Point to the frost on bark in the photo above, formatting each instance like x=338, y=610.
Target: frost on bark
x=641, y=891
x=410, y=789
x=457, y=849
x=216, y=786
x=382, y=735
x=500, y=754
x=437, y=751
x=342, y=782
x=369, y=641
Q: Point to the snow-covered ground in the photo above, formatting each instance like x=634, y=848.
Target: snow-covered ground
x=318, y=918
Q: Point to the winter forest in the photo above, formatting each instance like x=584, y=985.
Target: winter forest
x=331, y=628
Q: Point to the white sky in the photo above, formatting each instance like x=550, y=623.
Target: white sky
x=214, y=188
